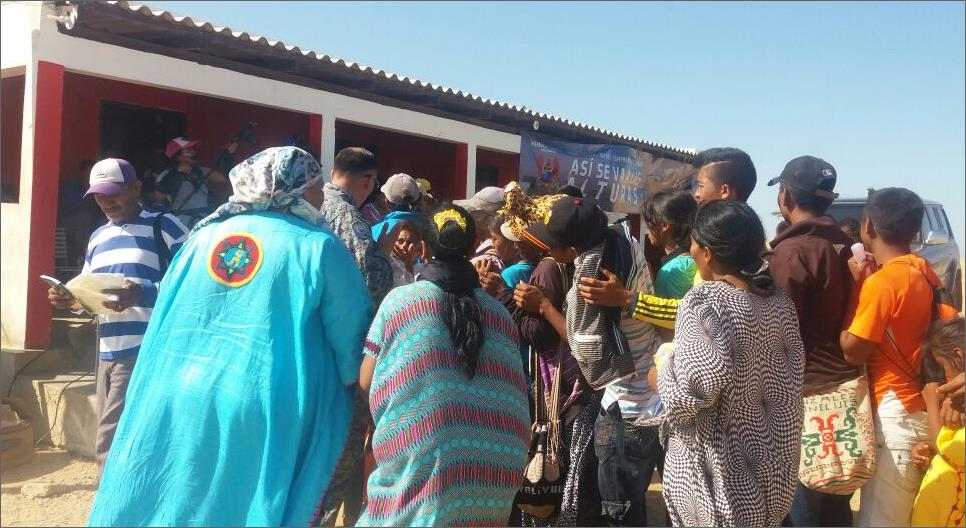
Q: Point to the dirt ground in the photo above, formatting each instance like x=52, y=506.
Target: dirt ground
x=71, y=508
x=79, y=474
x=48, y=466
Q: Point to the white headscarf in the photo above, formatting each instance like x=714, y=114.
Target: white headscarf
x=273, y=179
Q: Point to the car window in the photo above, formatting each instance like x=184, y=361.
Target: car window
x=928, y=221
x=841, y=211
x=949, y=229
x=923, y=231
x=936, y=220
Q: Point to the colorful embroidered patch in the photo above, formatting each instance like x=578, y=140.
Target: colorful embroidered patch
x=235, y=259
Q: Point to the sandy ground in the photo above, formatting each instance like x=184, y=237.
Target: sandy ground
x=72, y=508
x=53, y=466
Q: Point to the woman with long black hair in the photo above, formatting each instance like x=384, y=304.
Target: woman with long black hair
x=447, y=393
x=732, y=388
x=668, y=217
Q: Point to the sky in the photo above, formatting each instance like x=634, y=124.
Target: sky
x=876, y=89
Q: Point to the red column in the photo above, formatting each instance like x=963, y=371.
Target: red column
x=315, y=135
x=459, y=171
x=45, y=191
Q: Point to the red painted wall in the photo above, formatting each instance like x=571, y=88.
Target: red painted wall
x=508, y=165
x=415, y=156
x=11, y=129
x=211, y=120
x=43, y=210
x=314, y=138
x=459, y=172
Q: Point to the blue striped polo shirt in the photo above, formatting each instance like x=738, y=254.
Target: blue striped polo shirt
x=130, y=249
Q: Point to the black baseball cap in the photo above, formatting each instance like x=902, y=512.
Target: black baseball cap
x=810, y=175
x=571, y=222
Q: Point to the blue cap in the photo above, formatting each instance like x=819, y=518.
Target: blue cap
x=391, y=220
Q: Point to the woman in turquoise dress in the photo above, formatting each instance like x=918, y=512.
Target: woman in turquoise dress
x=447, y=393
x=239, y=404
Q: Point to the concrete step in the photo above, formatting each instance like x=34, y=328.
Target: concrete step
x=66, y=401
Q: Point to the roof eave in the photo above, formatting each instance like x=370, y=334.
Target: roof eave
x=161, y=32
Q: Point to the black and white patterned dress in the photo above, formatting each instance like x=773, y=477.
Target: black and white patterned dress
x=732, y=393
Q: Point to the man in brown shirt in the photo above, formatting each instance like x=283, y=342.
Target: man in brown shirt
x=810, y=261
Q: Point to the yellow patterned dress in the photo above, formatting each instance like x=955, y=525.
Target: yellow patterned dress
x=940, y=499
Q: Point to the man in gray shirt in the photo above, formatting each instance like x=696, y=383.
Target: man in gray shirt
x=352, y=180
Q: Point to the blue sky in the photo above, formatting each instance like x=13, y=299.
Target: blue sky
x=876, y=89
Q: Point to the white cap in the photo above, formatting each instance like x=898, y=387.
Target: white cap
x=401, y=189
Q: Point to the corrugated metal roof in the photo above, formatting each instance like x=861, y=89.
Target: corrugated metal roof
x=267, y=43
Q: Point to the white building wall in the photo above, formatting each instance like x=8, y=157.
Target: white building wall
x=15, y=26
x=19, y=23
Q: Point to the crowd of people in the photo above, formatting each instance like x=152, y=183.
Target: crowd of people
x=323, y=347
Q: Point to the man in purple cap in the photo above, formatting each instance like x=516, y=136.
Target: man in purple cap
x=140, y=245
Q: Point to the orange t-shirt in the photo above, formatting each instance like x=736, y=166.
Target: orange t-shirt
x=897, y=295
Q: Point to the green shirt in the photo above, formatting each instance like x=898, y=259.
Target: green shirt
x=675, y=277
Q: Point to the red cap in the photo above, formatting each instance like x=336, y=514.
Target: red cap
x=178, y=144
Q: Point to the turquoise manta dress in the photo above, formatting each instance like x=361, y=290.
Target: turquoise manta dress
x=239, y=405
x=449, y=451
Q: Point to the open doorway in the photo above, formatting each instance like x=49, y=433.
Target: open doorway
x=11, y=97
x=138, y=133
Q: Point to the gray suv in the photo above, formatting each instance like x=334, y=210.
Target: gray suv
x=934, y=243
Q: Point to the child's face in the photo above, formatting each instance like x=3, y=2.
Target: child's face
x=407, y=242
x=505, y=249
x=952, y=370
x=707, y=188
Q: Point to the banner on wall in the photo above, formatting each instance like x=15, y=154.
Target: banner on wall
x=618, y=177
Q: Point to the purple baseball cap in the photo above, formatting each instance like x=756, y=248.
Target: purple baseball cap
x=109, y=176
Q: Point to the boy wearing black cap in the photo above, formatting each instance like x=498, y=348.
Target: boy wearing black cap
x=810, y=262
x=614, y=352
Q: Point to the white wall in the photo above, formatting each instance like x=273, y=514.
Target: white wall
x=15, y=26
x=15, y=217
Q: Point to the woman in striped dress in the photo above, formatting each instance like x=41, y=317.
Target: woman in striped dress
x=447, y=394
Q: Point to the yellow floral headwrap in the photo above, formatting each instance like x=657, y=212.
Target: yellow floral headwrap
x=449, y=215
x=521, y=211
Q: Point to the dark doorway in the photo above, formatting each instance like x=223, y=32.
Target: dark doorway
x=11, y=96
x=487, y=176
x=137, y=133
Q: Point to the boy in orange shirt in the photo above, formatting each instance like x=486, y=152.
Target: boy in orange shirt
x=892, y=318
